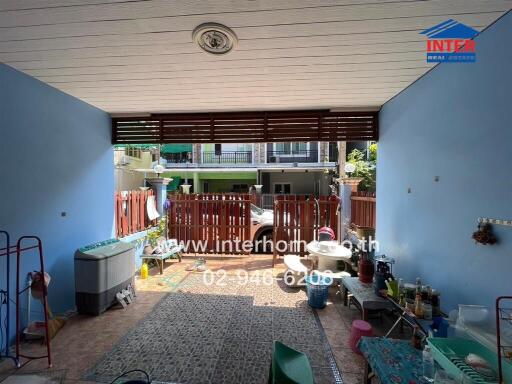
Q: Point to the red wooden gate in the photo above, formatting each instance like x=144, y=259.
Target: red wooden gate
x=297, y=220
x=131, y=212
x=363, y=209
x=207, y=223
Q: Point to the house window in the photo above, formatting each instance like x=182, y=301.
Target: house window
x=240, y=188
x=218, y=149
x=291, y=149
x=282, y=188
x=133, y=152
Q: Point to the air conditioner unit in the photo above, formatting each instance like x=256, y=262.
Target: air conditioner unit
x=124, y=160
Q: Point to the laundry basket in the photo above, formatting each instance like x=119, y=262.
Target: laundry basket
x=318, y=290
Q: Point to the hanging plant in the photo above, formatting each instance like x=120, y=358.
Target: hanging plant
x=484, y=234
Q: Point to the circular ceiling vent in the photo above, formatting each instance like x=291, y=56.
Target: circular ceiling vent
x=215, y=38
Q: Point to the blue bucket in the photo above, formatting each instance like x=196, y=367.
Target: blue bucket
x=318, y=290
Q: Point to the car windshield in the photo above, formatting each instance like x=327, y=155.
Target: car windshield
x=256, y=210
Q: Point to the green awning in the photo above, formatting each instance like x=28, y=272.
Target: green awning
x=176, y=148
x=174, y=184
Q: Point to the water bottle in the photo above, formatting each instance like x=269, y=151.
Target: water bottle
x=428, y=365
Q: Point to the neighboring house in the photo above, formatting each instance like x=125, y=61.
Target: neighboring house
x=282, y=168
x=127, y=160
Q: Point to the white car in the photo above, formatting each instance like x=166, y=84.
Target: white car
x=261, y=216
x=262, y=228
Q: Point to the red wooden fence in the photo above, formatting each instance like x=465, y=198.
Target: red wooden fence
x=297, y=220
x=131, y=212
x=210, y=222
x=363, y=212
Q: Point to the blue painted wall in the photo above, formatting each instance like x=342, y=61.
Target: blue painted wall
x=455, y=123
x=55, y=156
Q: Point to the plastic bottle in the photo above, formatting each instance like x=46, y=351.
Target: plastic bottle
x=428, y=365
x=144, y=271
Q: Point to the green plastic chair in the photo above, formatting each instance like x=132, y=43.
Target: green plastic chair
x=289, y=366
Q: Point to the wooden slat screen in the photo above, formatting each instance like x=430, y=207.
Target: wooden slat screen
x=246, y=127
x=136, y=130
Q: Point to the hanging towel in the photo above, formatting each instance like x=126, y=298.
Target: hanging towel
x=151, y=206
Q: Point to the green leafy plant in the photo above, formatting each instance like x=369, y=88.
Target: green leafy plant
x=158, y=232
x=365, y=168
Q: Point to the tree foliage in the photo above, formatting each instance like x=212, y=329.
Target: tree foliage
x=365, y=167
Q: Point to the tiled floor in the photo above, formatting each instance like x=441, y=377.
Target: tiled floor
x=84, y=341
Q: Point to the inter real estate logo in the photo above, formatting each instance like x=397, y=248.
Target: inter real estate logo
x=450, y=41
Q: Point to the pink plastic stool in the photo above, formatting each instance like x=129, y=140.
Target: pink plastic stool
x=359, y=328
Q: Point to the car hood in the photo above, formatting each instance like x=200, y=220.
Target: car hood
x=266, y=217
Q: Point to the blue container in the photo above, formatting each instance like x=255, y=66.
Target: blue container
x=318, y=290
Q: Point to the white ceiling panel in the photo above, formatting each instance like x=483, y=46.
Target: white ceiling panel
x=137, y=56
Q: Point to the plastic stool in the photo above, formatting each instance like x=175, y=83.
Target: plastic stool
x=295, y=272
x=289, y=366
x=359, y=328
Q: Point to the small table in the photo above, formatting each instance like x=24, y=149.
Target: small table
x=327, y=261
x=364, y=295
x=392, y=361
x=174, y=252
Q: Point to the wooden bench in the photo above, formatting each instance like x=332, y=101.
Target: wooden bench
x=173, y=253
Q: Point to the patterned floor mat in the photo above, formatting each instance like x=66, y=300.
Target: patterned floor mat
x=210, y=331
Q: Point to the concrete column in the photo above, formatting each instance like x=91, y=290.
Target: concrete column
x=255, y=153
x=196, y=153
x=160, y=187
x=197, y=183
x=347, y=186
x=262, y=159
x=342, y=157
x=323, y=151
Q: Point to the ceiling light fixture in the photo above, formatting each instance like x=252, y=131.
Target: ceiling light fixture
x=215, y=38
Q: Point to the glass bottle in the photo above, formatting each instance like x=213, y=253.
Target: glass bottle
x=416, y=338
x=428, y=365
x=424, y=292
x=418, y=306
x=401, y=289
x=418, y=285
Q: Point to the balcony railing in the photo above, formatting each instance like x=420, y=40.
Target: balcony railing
x=295, y=156
x=237, y=157
x=176, y=158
